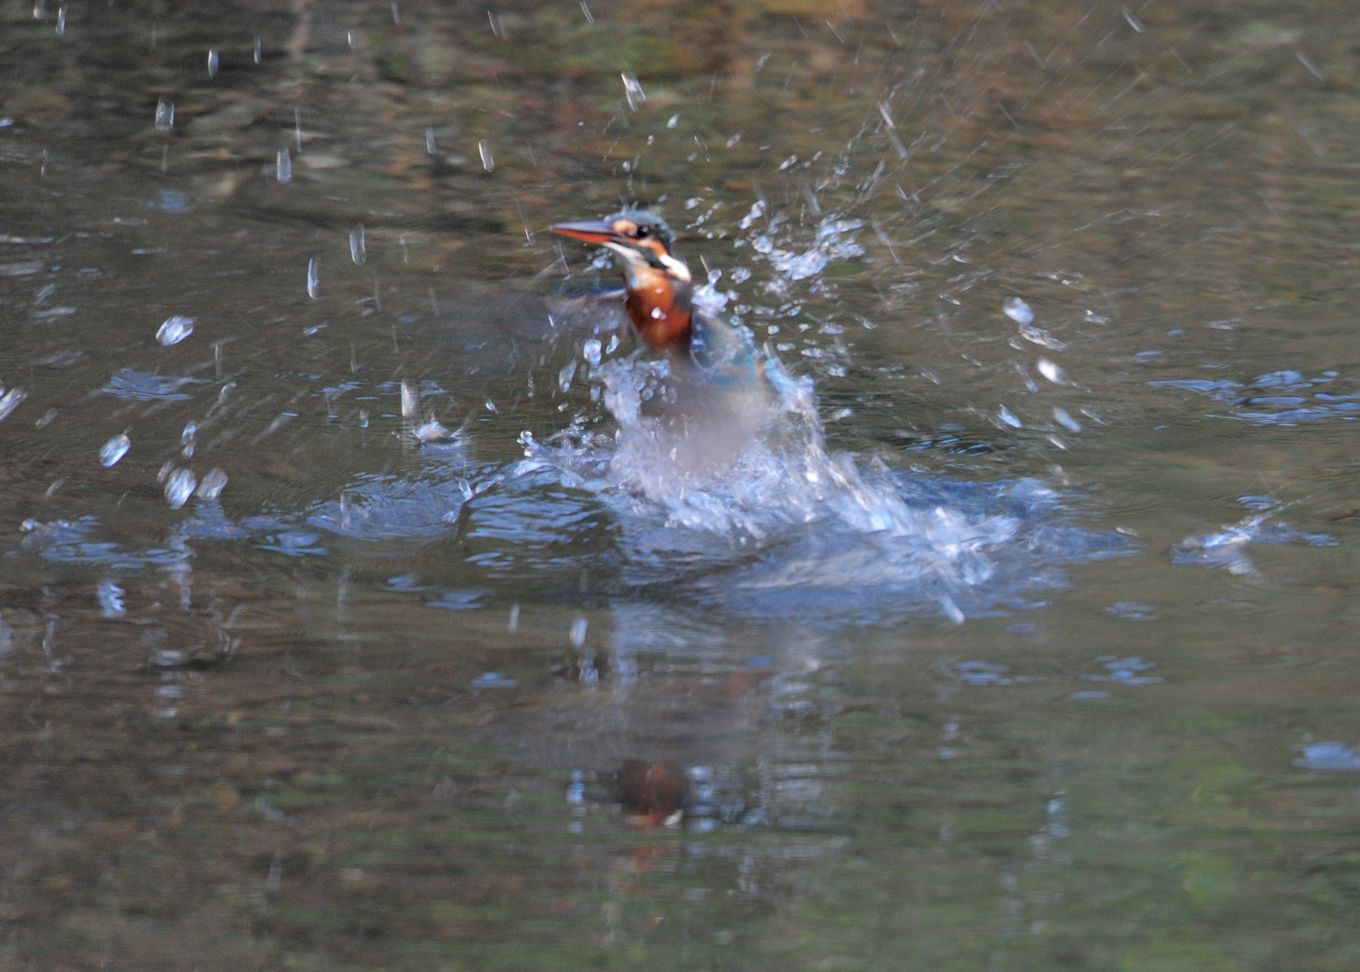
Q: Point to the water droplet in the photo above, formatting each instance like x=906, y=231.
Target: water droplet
x=1018, y=311
x=187, y=439
x=1008, y=417
x=565, y=376
x=591, y=351
x=1053, y=372
x=283, y=166
x=61, y=19
x=358, y=250
x=632, y=90
x=512, y=624
x=430, y=146
x=212, y=63
x=212, y=485
x=174, y=330
x=259, y=49
x=313, y=279
x=673, y=121
x=484, y=150
x=179, y=486
x=113, y=450
x=490, y=406
x=409, y=405
x=578, y=631
x=165, y=115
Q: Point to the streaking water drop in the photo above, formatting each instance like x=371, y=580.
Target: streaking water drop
x=632, y=90
x=312, y=277
x=179, y=486
x=174, y=330
x=578, y=632
x=358, y=250
x=115, y=449
x=165, y=115
x=110, y=599
x=484, y=150
x=212, y=485
x=1061, y=416
x=283, y=166
x=1053, y=372
x=212, y=63
x=1018, y=311
x=10, y=401
x=1008, y=417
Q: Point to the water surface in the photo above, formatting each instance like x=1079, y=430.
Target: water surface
x=350, y=616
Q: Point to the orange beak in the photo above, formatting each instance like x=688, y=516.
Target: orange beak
x=595, y=231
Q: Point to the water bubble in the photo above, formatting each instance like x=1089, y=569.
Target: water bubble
x=591, y=351
x=578, y=632
x=179, y=486
x=212, y=484
x=10, y=401
x=115, y=449
x=165, y=115
x=484, y=150
x=1052, y=372
x=283, y=166
x=174, y=330
x=358, y=250
x=212, y=63
x=632, y=90
x=1018, y=311
x=312, y=277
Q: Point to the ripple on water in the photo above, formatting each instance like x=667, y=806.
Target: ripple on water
x=1280, y=398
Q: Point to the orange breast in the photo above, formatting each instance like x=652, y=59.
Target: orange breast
x=660, y=318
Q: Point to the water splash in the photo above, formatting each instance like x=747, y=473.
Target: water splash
x=775, y=522
x=1226, y=547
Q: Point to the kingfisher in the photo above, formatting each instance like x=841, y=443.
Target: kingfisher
x=660, y=299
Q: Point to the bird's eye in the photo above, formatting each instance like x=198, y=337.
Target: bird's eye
x=643, y=232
